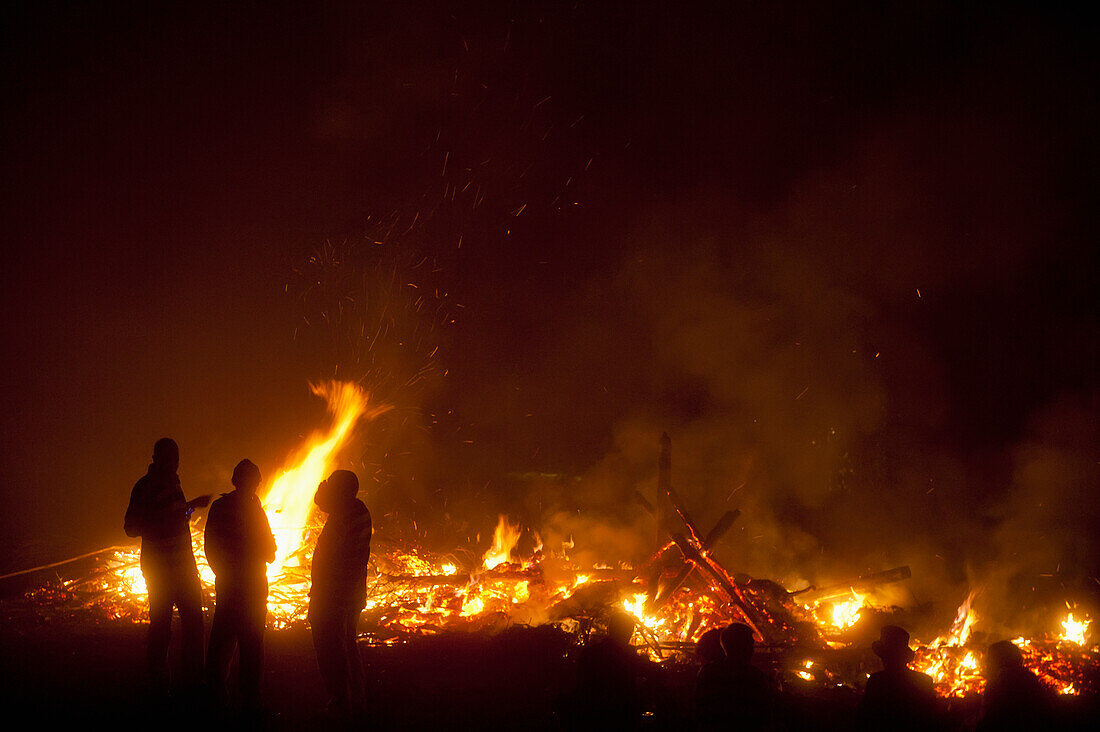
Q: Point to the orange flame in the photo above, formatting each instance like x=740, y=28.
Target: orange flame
x=1075, y=630
x=505, y=538
x=289, y=501
x=846, y=614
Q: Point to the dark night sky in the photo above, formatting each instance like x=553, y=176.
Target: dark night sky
x=704, y=192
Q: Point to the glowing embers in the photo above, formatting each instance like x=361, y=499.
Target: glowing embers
x=953, y=667
x=956, y=666
x=132, y=580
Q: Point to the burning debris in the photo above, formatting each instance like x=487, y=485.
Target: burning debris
x=676, y=595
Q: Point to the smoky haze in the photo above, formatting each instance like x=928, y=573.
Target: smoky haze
x=842, y=258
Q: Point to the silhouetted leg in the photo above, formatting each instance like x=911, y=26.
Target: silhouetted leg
x=251, y=636
x=328, y=641
x=189, y=601
x=160, y=630
x=218, y=657
x=357, y=693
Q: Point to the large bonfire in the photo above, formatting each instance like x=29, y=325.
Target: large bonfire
x=415, y=591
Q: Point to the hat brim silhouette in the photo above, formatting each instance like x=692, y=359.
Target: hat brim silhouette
x=890, y=650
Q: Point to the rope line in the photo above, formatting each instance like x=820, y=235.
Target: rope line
x=63, y=561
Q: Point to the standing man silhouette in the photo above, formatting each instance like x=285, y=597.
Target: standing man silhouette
x=897, y=698
x=239, y=546
x=339, y=591
x=160, y=515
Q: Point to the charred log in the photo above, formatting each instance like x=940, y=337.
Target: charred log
x=862, y=584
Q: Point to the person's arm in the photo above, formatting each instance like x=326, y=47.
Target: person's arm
x=200, y=502
x=134, y=523
x=178, y=504
x=367, y=534
x=266, y=537
x=213, y=540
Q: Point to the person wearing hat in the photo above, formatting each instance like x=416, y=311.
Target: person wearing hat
x=239, y=546
x=897, y=698
x=1014, y=697
x=338, y=592
x=161, y=516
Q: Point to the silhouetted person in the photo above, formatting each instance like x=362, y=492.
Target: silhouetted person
x=339, y=591
x=897, y=697
x=1014, y=697
x=749, y=691
x=239, y=545
x=711, y=681
x=607, y=679
x=160, y=515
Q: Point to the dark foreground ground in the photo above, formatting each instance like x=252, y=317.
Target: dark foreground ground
x=82, y=673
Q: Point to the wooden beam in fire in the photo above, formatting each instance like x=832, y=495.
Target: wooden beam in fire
x=666, y=591
x=862, y=584
x=696, y=551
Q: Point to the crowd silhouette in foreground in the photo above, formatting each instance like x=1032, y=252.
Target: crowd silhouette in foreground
x=239, y=545
x=611, y=678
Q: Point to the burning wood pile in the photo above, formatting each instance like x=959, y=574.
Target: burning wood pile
x=677, y=593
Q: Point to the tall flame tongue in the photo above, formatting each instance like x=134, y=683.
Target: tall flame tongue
x=290, y=499
x=505, y=538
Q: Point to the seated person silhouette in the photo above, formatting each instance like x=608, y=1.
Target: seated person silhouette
x=607, y=679
x=897, y=697
x=239, y=545
x=1014, y=697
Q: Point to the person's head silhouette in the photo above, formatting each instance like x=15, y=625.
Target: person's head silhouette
x=1001, y=656
x=620, y=627
x=893, y=647
x=246, y=476
x=338, y=490
x=166, y=454
x=709, y=647
x=738, y=643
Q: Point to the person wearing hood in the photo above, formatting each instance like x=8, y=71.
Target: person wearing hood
x=160, y=515
x=239, y=546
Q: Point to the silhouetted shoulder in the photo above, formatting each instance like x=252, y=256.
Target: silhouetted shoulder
x=218, y=506
x=360, y=512
x=922, y=681
x=359, y=524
